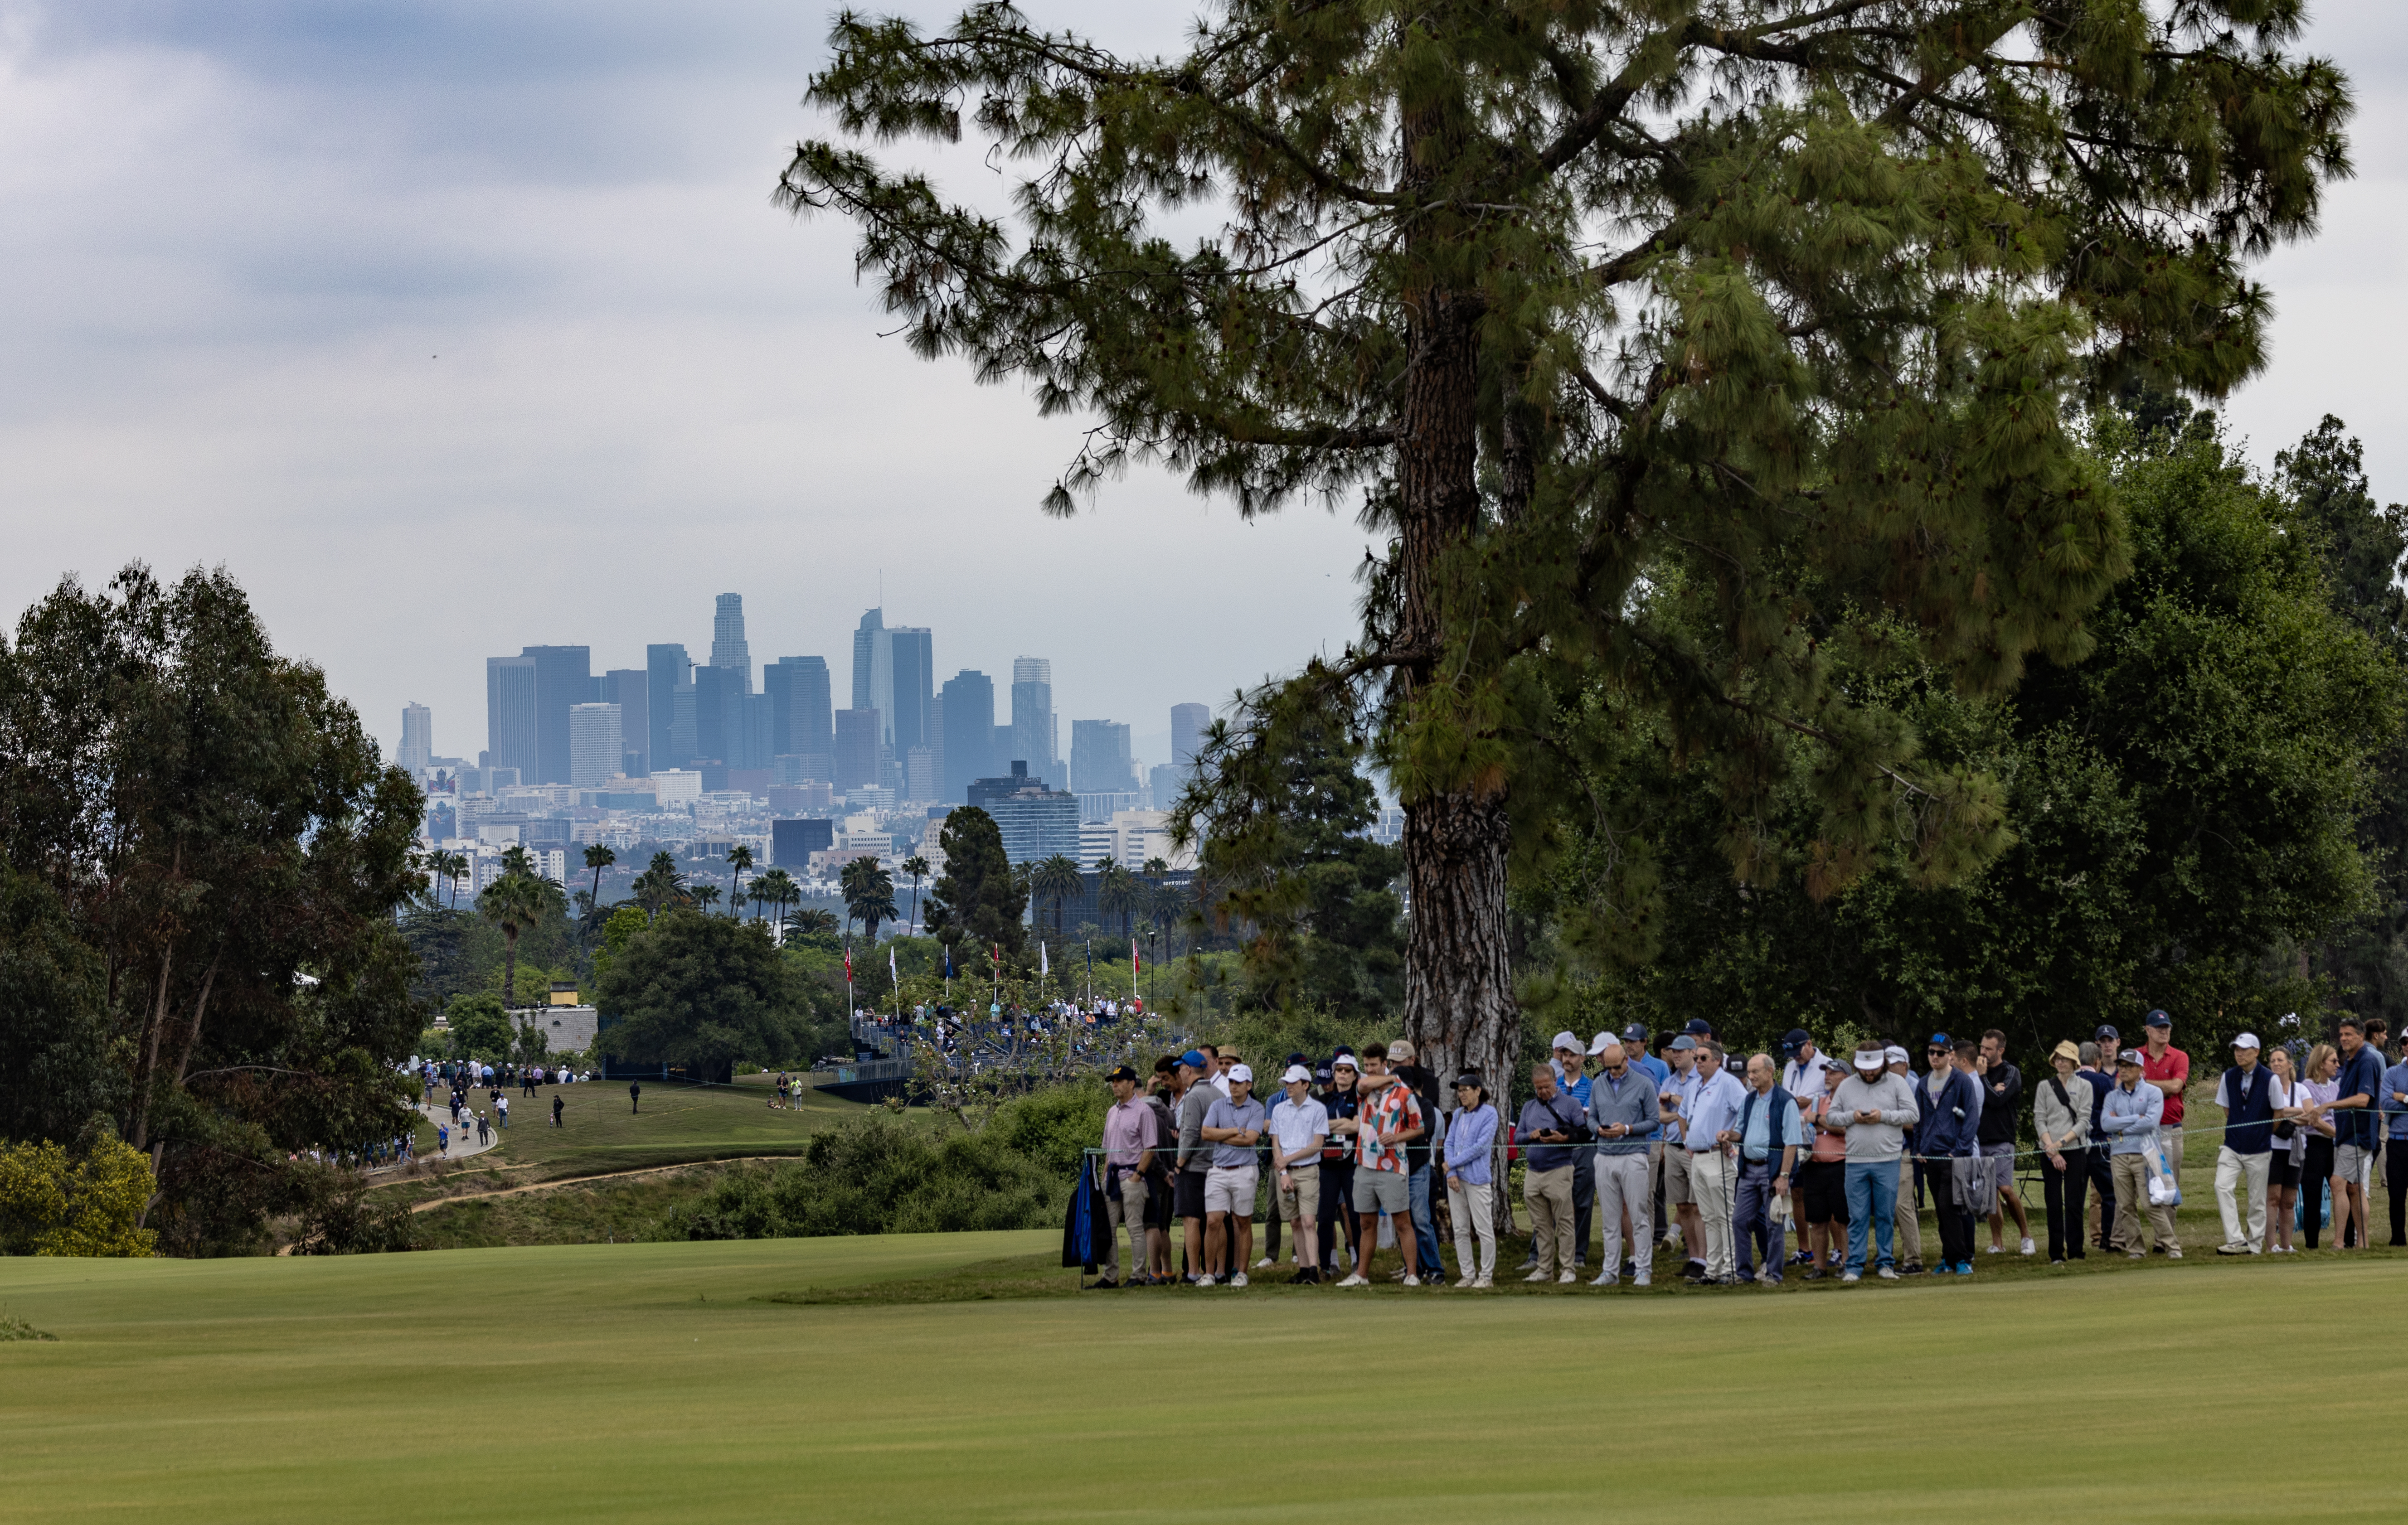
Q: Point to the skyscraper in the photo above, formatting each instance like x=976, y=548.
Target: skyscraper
x=595, y=744
x=417, y=738
x=718, y=714
x=1187, y=726
x=968, y=710
x=630, y=688
x=869, y=656
x=910, y=683
x=564, y=676
x=856, y=748
x=511, y=715
x=727, y=644
x=1099, y=758
x=801, y=723
x=1032, y=717
x=667, y=669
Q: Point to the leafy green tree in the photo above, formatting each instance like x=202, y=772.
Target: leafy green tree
x=2181, y=801
x=224, y=835
x=1290, y=865
x=479, y=1027
x=1704, y=350
x=1056, y=878
x=55, y=1037
x=979, y=900
x=2365, y=550
x=701, y=990
x=515, y=903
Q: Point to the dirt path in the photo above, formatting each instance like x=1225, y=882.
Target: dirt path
x=585, y=1180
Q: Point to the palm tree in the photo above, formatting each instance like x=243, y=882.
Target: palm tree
x=1057, y=878
x=814, y=919
x=449, y=867
x=778, y=888
x=660, y=886
x=868, y=894
x=1117, y=893
x=514, y=903
x=598, y=858
x=704, y=895
x=517, y=860
x=917, y=867
x=739, y=858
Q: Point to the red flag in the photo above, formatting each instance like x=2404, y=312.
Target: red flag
x=848, y=964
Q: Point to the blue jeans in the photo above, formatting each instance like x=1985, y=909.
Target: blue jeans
x=1751, y=1214
x=1426, y=1252
x=1873, y=1204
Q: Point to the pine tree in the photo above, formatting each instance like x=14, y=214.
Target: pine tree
x=1676, y=344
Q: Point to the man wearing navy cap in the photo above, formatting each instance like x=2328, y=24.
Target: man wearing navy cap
x=1195, y=1098
x=2167, y=1068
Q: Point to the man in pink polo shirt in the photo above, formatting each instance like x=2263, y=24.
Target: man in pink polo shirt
x=2167, y=1068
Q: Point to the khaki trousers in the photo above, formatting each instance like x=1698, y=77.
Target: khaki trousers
x=1549, y=1194
x=2131, y=1172
x=2247, y=1172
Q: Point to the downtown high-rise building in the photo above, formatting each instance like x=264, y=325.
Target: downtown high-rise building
x=967, y=707
x=1033, y=738
x=669, y=688
x=597, y=745
x=801, y=720
x=1099, y=758
x=1188, y=723
x=564, y=676
x=509, y=715
x=893, y=673
x=417, y=738
x=728, y=648
x=630, y=688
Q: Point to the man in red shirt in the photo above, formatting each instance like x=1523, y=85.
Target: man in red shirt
x=2167, y=1068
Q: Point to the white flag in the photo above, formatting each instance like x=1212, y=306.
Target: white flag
x=890, y=965
x=1043, y=967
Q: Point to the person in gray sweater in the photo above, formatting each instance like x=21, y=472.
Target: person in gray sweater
x=1876, y=1108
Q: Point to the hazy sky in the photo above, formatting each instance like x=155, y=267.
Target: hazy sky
x=452, y=326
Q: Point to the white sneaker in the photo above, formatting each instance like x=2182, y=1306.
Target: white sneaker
x=2173, y=1254
x=2001, y=1250
x=1605, y=1278
x=1267, y=1262
x=1468, y=1280
x=1237, y=1280
x=2028, y=1247
x=1412, y=1281
x=1566, y=1279
x=1208, y=1280
x=1536, y=1275
x=1355, y=1280
x=1641, y=1279
x=1886, y=1273
x=1483, y=1283
x=1849, y=1278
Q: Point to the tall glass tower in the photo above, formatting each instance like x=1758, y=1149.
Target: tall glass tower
x=727, y=647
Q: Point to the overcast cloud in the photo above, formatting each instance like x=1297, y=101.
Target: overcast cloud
x=451, y=327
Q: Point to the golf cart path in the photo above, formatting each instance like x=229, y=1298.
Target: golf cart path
x=581, y=1180
x=464, y=1139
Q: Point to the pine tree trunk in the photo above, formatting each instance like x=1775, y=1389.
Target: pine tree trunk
x=1459, y=1010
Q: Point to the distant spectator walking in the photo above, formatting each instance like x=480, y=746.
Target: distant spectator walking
x=635, y=1096
x=555, y=1109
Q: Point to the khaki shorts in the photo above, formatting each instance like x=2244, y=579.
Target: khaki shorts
x=1677, y=1190
x=1381, y=1191
x=1301, y=1196
x=1231, y=1189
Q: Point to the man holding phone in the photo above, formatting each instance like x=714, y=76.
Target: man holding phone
x=1551, y=1120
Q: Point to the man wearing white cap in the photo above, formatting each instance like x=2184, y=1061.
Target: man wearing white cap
x=1299, y=1126
x=1876, y=1108
x=1572, y=1079
x=1233, y=1124
x=2246, y=1095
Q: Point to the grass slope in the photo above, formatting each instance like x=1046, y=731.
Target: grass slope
x=679, y=1123
x=680, y=1382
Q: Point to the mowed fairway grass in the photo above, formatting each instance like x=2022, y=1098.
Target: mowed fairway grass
x=658, y=1382
x=599, y=1133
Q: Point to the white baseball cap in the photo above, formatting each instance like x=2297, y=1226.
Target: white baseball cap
x=1241, y=1071
x=1565, y=1040
x=1296, y=1072
x=1896, y=1055
x=1597, y=1045
x=1869, y=1058
x=2247, y=1040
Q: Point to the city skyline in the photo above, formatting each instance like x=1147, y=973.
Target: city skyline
x=465, y=377
x=544, y=717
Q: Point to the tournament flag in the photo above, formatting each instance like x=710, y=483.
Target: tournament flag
x=890, y=965
x=1044, y=966
x=848, y=964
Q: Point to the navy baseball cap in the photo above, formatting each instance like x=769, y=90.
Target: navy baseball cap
x=1941, y=1040
x=1700, y=1028
x=2156, y=1018
x=2107, y=1035
x=1796, y=1035
x=1635, y=1033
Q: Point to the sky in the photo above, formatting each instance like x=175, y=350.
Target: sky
x=450, y=327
